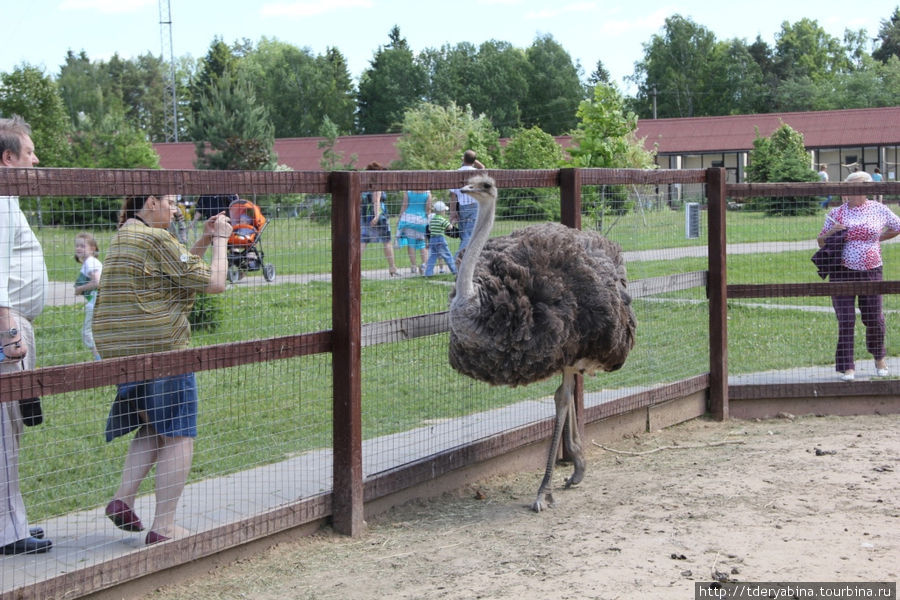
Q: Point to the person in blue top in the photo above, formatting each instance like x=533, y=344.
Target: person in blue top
x=411, y=228
x=876, y=177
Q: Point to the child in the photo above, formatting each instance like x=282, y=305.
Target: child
x=87, y=283
x=437, y=245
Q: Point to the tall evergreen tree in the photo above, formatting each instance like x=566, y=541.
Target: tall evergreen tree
x=218, y=62
x=888, y=38
x=338, y=101
x=393, y=83
x=232, y=130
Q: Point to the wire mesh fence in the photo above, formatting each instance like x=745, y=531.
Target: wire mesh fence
x=784, y=336
x=271, y=354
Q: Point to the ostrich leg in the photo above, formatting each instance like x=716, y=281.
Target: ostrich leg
x=572, y=438
x=564, y=400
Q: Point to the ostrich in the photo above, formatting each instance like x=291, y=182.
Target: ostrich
x=541, y=301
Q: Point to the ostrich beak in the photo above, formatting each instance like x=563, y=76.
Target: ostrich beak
x=467, y=189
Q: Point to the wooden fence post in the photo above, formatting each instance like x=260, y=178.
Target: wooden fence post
x=570, y=215
x=347, y=497
x=718, y=295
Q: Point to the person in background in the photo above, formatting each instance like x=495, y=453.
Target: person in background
x=867, y=224
x=437, y=245
x=23, y=280
x=464, y=208
x=148, y=286
x=411, y=228
x=374, y=226
x=86, y=284
x=876, y=177
x=823, y=177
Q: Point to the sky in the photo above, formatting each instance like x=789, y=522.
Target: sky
x=40, y=32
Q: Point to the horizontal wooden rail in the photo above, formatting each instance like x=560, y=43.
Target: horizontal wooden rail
x=641, y=176
x=651, y=397
x=651, y=286
x=122, y=182
x=786, y=290
x=69, y=378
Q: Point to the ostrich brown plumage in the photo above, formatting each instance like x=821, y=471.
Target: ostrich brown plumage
x=541, y=301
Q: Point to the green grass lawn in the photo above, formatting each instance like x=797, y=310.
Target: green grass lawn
x=303, y=246
x=262, y=413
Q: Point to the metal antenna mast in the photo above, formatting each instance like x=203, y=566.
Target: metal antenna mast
x=170, y=98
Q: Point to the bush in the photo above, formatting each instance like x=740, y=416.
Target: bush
x=208, y=312
x=782, y=157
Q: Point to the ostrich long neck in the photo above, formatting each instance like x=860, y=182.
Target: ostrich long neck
x=483, y=225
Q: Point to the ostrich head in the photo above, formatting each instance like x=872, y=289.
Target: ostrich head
x=482, y=188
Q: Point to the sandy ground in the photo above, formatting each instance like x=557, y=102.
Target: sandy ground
x=790, y=499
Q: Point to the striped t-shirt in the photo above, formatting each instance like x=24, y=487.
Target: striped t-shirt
x=147, y=289
x=438, y=224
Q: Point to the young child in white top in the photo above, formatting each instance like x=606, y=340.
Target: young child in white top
x=86, y=284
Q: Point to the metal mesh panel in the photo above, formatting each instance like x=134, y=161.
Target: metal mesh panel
x=264, y=429
x=792, y=339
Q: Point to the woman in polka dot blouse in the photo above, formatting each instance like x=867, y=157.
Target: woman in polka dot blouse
x=868, y=223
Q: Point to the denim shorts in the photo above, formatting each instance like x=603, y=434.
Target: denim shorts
x=168, y=404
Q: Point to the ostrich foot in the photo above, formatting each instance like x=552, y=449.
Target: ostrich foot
x=538, y=505
x=575, y=479
x=577, y=474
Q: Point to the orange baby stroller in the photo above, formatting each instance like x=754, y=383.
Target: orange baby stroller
x=245, y=251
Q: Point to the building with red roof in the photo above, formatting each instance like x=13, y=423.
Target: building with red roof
x=862, y=138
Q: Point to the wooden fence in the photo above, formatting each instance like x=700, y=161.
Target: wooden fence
x=345, y=503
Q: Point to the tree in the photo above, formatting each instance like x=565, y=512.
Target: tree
x=393, y=83
x=338, y=99
x=605, y=134
x=332, y=160
x=111, y=143
x=605, y=138
x=29, y=93
x=531, y=149
x=218, y=62
x=491, y=79
x=79, y=84
x=434, y=137
x=888, y=38
x=554, y=88
x=735, y=82
x=782, y=157
x=599, y=76
x=232, y=130
x=284, y=80
x=805, y=49
x=677, y=65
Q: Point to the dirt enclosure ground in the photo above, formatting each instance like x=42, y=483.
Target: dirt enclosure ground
x=789, y=499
